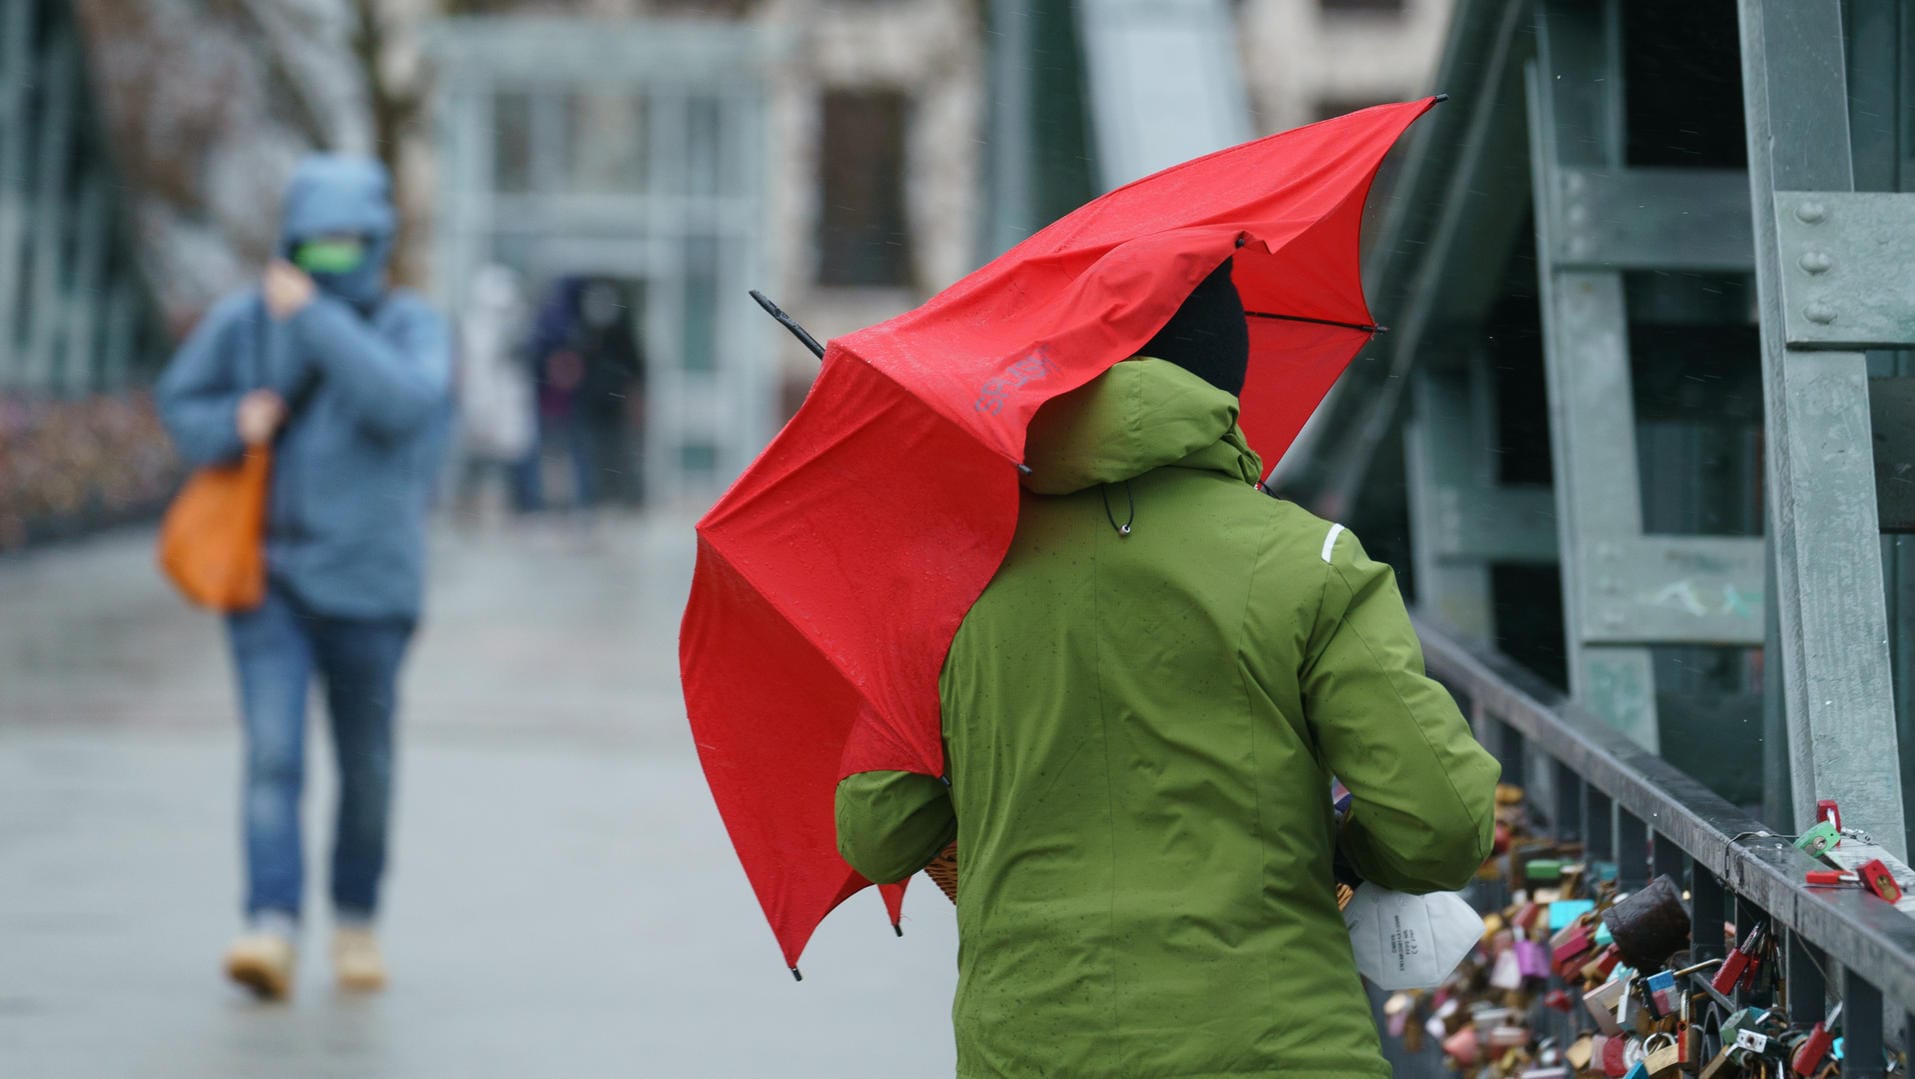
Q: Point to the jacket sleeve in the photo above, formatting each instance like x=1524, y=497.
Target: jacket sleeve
x=198, y=395
x=1422, y=816
x=892, y=824
x=395, y=386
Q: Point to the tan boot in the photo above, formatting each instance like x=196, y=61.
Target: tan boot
x=356, y=961
x=262, y=962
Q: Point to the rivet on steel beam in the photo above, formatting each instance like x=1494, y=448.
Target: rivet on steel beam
x=1816, y=261
x=1811, y=213
x=1819, y=312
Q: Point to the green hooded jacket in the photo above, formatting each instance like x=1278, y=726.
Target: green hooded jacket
x=1141, y=731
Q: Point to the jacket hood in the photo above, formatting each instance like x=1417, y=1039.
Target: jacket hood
x=342, y=193
x=1141, y=414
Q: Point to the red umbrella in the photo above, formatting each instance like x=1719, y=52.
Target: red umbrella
x=833, y=574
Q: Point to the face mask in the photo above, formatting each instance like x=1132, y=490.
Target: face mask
x=330, y=256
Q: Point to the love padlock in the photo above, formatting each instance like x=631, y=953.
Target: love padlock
x=1507, y=972
x=1463, y=1047
x=1741, y=966
x=1876, y=878
x=1826, y=811
x=1818, y=840
x=1567, y=948
x=1816, y=1047
x=1581, y=1052
x=1598, y=970
x=1723, y=1065
x=1501, y=1039
x=1532, y=959
x=1615, y=1058
x=1650, y=925
x=1659, y=992
x=1663, y=1060
x=1604, y=1004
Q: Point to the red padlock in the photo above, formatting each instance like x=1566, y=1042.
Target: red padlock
x=1830, y=876
x=1569, y=946
x=1815, y=1048
x=1615, y=1056
x=1876, y=878
x=1605, y=963
x=1827, y=810
x=1740, y=966
x=1560, y=1000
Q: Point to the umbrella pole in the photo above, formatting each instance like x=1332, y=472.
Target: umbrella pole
x=789, y=323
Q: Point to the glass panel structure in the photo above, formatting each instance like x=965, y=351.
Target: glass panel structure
x=631, y=152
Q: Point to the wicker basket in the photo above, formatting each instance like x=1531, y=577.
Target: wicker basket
x=943, y=872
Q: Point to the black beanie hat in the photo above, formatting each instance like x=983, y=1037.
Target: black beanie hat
x=1207, y=335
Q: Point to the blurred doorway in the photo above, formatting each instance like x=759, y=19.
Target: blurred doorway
x=631, y=154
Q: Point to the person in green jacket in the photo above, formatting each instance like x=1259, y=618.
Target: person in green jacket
x=1142, y=715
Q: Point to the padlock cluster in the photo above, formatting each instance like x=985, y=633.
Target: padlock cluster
x=1575, y=978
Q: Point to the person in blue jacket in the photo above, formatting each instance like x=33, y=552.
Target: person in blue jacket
x=349, y=381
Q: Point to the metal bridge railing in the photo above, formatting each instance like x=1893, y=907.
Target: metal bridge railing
x=1626, y=805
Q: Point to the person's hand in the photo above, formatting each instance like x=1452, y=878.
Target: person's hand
x=259, y=415
x=288, y=289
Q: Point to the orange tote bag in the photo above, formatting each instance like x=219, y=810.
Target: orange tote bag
x=213, y=540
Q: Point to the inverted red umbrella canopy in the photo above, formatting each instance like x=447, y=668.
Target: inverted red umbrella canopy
x=833, y=574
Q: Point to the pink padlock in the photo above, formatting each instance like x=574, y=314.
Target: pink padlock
x=1532, y=959
x=1462, y=1046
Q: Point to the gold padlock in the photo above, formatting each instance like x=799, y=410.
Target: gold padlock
x=1723, y=1066
x=1580, y=1052
x=1664, y=1057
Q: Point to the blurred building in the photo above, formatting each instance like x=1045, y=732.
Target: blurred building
x=825, y=153
x=847, y=157
x=1308, y=59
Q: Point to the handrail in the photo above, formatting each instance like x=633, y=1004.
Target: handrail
x=1516, y=712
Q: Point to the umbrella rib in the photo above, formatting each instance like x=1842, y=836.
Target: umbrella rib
x=1320, y=322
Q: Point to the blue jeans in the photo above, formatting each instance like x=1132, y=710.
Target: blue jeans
x=277, y=649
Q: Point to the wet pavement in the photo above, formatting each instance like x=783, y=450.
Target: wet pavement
x=562, y=902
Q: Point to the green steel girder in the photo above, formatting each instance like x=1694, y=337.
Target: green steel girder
x=1831, y=627
x=1575, y=120
x=1844, y=276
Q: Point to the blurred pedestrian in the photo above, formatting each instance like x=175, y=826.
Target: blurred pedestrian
x=585, y=355
x=497, y=424
x=1141, y=715
x=612, y=395
x=559, y=373
x=348, y=380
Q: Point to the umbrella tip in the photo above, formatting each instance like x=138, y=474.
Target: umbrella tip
x=1440, y=98
x=1024, y=468
x=795, y=976
x=898, y=929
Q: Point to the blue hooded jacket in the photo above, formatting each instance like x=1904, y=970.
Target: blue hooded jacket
x=366, y=374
